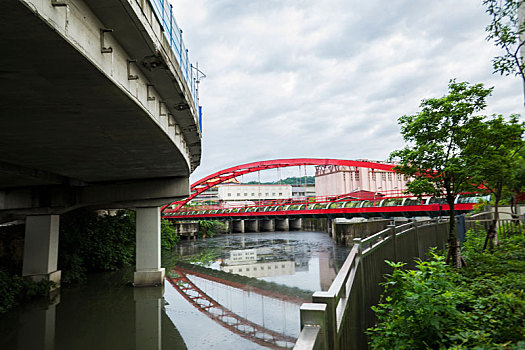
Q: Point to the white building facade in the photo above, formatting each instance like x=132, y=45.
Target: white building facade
x=245, y=192
x=336, y=180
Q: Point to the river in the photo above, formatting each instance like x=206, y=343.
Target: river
x=239, y=291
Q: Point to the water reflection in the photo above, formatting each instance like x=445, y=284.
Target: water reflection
x=99, y=315
x=241, y=292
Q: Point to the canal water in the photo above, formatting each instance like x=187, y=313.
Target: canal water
x=239, y=291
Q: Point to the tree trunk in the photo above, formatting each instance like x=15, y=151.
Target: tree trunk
x=492, y=235
x=454, y=249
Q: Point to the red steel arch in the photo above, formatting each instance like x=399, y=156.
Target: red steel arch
x=223, y=175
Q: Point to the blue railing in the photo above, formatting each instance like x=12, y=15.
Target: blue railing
x=164, y=12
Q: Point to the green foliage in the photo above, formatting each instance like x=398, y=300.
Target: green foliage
x=434, y=307
x=437, y=138
x=14, y=289
x=293, y=180
x=169, y=234
x=209, y=228
x=89, y=242
x=504, y=30
x=493, y=158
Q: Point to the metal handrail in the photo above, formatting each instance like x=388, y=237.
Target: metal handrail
x=163, y=10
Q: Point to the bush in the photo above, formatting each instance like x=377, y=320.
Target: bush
x=169, y=235
x=89, y=242
x=14, y=289
x=435, y=307
x=210, y=227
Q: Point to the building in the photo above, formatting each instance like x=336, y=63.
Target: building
x=252, y=192
x=298, y=191
x=336, y=180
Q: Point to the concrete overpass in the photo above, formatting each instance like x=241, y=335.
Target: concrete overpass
x=98, y=109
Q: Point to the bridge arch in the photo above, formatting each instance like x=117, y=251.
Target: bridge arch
x=221, y=176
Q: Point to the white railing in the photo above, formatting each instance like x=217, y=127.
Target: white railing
x=337, y=318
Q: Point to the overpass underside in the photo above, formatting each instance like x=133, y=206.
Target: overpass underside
x=95, y=112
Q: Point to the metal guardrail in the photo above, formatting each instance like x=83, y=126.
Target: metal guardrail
x=164, y=12
x=337, y=318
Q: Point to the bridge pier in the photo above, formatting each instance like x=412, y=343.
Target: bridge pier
x=267, y=225
x=41, y=248
x=282, y=224
x=251, y=225
x=148, y=271
x=237, y=226
x=296, y=224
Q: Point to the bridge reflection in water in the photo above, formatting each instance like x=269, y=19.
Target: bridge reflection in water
x=235, y=296
x=202, y=307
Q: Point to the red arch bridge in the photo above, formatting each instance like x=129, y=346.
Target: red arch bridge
x=363, y=204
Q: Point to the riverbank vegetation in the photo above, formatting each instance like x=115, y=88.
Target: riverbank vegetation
x=435, y=306
x=208, y=228
x=90, y=242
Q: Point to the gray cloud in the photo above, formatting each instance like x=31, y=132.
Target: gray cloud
x=304, y=78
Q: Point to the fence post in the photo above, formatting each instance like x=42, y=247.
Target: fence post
x=360, y=273
x=461, y=228
x=393, y=228
x=331, y=317
x=314, y=315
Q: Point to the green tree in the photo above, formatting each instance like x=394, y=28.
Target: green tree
x=434, y=157
x=169, y=235
x=505, y=30
x=493, y=159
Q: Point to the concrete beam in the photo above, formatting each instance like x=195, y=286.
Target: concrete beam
x=41, y=248
x=17, y=203
x=148, y=270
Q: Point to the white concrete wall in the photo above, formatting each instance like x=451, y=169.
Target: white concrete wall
x=253, y=192
x=364, y=179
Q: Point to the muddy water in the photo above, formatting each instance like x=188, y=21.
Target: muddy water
x=228, y=292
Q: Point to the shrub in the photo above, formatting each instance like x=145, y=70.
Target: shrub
x=435, y=307
x=169, y=235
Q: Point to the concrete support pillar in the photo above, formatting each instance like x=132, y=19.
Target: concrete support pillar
x=148, y=271
x=282, y=224
x=41, y=248
x=148, y=321
x=238, y=226
x=296, y=224
x=267, y=225
x=251, y=225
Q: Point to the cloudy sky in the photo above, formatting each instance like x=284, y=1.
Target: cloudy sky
x=329, y=78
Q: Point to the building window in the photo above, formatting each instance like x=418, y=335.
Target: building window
x=383, y=176
x=253, y=194
x=229, y=194
x=280, y=193
x=389, y=176
x=357, y=176
x=238, y=194
x=245, y=194
x=266, y=194
x=273, y=194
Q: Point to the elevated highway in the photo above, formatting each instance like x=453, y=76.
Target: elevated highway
x=99, y=108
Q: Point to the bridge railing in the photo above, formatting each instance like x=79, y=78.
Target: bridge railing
x=164, y=12
x=325, y=202
x=337, y=318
